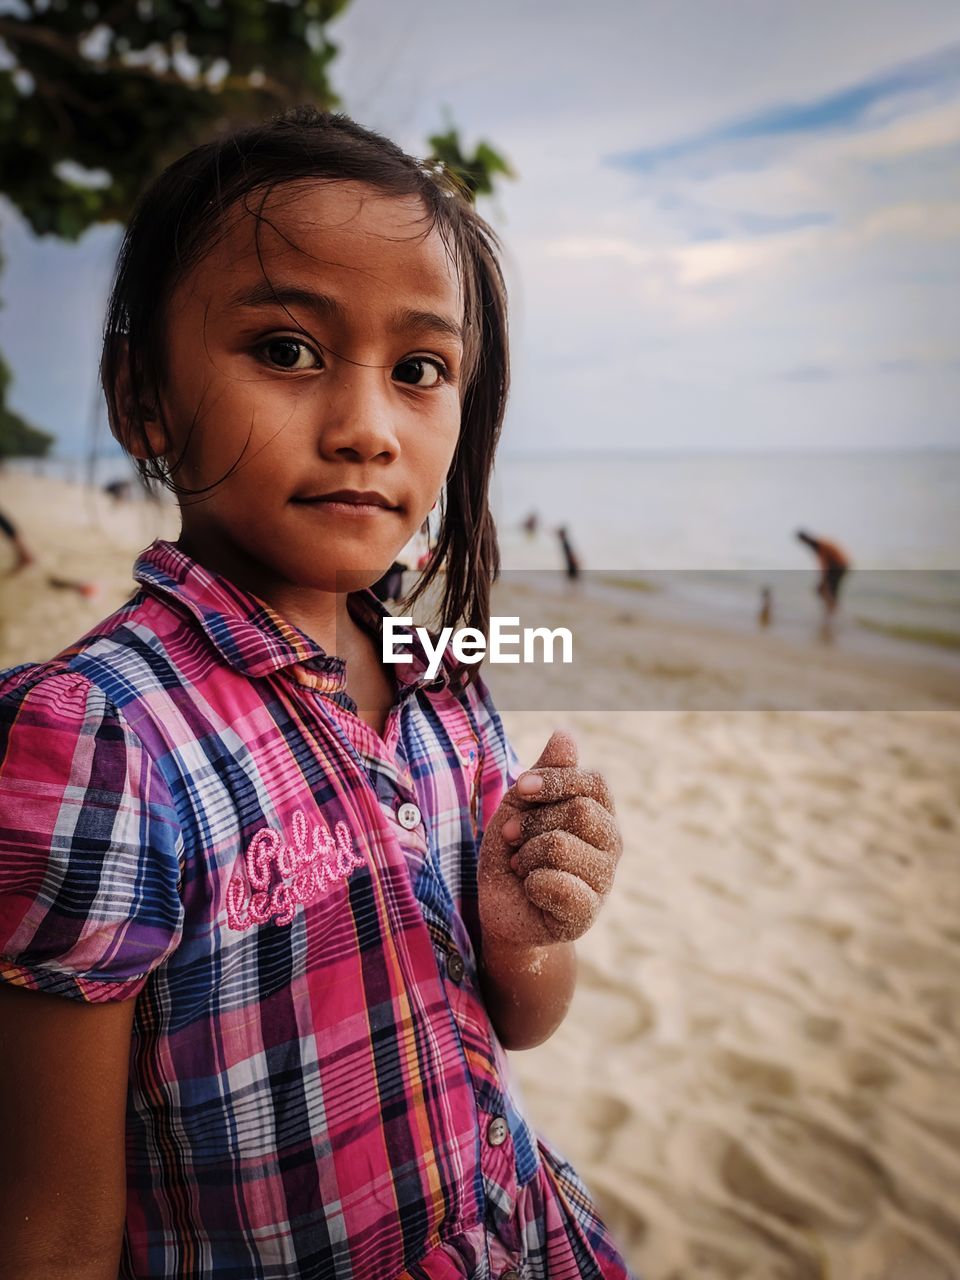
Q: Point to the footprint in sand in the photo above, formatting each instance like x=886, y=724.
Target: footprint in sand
x=866, y=1070
x=747, y=1253
x=804, y=1173
x=843, y=783
x=751, y=1074
x=943, y=1006
x=613, y=1015
x=822, y=1029
x=900, y=1253
x=601, y=1115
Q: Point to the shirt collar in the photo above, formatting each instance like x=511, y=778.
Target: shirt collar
x=255, y=639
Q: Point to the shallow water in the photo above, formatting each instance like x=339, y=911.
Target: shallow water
x=737, y=511
x=707, y=533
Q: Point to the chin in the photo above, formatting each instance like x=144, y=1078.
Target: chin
x=358, y=579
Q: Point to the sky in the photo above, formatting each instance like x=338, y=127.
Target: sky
x=736, y=223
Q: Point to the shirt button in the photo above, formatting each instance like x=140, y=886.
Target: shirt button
x=497, y=1131
x=408, y=815
x=455, y=965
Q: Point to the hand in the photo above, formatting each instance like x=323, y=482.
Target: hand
x=548, y=855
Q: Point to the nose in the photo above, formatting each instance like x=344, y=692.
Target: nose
x=358, y=416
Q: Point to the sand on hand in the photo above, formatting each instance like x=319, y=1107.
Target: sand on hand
x=548, y=884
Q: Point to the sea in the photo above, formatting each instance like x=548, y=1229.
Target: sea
x=701, y=535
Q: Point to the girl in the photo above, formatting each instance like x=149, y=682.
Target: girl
x=299, y=902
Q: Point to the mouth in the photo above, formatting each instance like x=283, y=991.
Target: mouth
x=349, y=502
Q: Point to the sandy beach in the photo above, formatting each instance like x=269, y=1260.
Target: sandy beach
x=760, y=1074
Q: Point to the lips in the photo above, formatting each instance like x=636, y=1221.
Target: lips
x=355, y=497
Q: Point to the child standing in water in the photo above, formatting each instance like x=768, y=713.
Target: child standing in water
x=298, y=902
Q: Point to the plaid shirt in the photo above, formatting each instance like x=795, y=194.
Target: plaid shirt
x=192, y=814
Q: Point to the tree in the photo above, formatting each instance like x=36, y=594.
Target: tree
x=99, y=95
x=17, y=438
x=104, y=93
x=478, y=172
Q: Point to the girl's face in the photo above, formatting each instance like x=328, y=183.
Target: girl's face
x=330, y=361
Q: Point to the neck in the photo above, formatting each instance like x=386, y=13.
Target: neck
x=322, y=615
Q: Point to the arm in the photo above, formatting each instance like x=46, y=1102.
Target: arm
x=546, y=863
x=63, y=1088
x=89, y=907
x=527, y=990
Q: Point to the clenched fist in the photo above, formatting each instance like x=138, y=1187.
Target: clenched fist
x=549, y=852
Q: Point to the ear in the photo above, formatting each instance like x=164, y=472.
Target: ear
x=150, y=442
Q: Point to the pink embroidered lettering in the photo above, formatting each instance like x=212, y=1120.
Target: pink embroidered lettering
x=299, y=871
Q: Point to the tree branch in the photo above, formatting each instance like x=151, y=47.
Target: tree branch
x=14, y=31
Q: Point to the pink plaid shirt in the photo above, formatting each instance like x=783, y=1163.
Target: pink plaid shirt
x=192, y=814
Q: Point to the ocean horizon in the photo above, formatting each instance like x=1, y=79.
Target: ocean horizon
x=707, y=531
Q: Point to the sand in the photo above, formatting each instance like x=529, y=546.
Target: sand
x=75, y=533
x=760, y=1073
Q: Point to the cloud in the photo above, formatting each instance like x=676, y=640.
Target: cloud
x=700, y=220
x=772, y=224
x=809, y=373
x=925, y=221
x=902, y=366
x=806, y=224
x=695, y=264
x=864, y=105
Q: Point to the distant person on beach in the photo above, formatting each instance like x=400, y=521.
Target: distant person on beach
x=570, y=557
x=24, y=556
x=530, y=524
x=765, y=616
x=86, y=590
x=834, y=564
x=118, y=490
x=425, y=557
x=389, y=588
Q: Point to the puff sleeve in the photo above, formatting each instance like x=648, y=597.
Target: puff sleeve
x=89, y=842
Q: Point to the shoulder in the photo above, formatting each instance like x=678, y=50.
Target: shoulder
x=47, y=694
x=90, y=841
x=63, y=735
x=135, y=654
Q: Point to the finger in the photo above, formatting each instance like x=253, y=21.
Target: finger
x=579, y=815
x=560, y=851
x=561, y=751
x=569, y=906
x=560, y=784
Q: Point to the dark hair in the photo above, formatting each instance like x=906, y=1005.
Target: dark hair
x=180, y=217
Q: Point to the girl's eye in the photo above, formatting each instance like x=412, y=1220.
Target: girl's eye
x=412, y=371
x=289, y=353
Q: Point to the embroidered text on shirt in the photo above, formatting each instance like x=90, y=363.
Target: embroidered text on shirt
x=309, y=866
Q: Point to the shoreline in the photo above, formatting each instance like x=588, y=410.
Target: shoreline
x=98, y=537
x=680, y=596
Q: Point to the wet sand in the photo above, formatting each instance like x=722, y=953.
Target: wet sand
x=760, y=1074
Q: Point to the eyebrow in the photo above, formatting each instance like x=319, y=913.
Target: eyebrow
x=405, y=319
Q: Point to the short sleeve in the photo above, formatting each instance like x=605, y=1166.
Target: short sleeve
x=89, y=843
